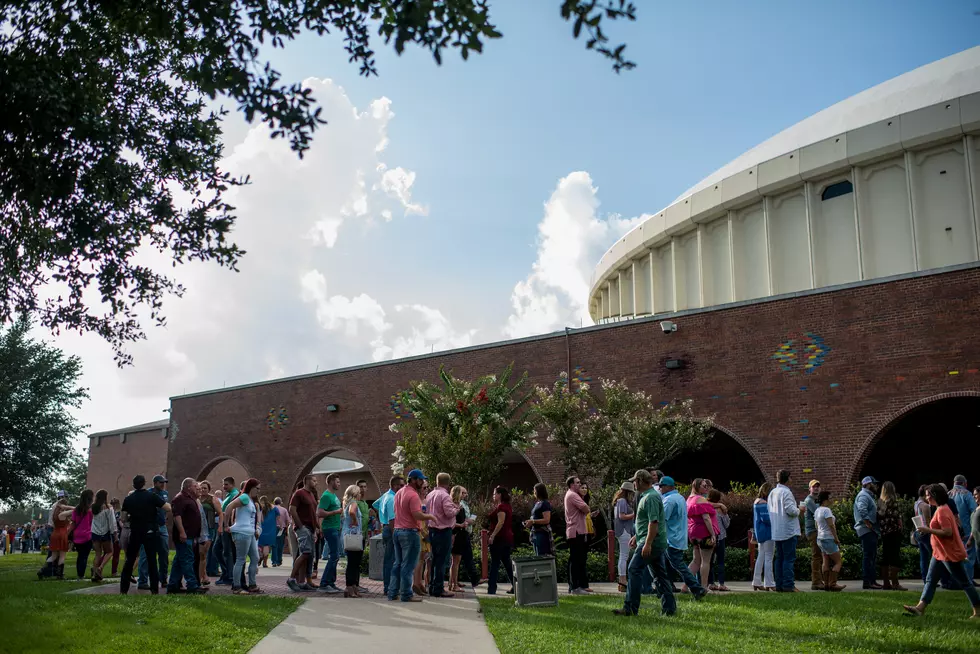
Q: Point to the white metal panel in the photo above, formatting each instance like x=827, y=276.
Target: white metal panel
x=613, y=287
x=780, y=173
x=716, y=262
x=749, y=255
x=678, y=217
x=884, y=218
x=835, y=259
x=641, y=286
x=970, y=112
x=707, y=204
x=875, y=141
x=740, y=188
x=688, y=275
x=942, y=211
x=932, y=123
x=823, y=156
x=789, y=246
x=663, y=279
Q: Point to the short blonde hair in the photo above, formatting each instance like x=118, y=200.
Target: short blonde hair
x=443, y=479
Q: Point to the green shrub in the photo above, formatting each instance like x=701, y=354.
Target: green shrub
x=737, y=563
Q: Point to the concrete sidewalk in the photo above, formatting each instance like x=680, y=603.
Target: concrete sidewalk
x=322, y=624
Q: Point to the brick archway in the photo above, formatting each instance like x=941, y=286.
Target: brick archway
x=311, y=462
x=727, y=457
x=882, y=429
x=209, y=467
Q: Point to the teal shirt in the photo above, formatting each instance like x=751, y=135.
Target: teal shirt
x=231, y=496
x=650, y=509
x=329, y=502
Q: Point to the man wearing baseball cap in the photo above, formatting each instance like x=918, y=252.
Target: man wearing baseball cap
x=810, y=531
x=651, y=544
x=408, y=514
x=163, y=548
x=866, y=526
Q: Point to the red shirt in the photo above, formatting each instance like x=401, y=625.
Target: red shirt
x=185, y=508
x=506, y=534
x=305, y=505
x=407, y=502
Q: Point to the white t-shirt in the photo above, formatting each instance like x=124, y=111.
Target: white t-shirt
x=823, y=516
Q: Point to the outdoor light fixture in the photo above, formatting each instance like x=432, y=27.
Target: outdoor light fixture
x=668, y=327
x=674, y=364
x=333, y=408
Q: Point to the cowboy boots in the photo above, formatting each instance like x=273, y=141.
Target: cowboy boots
x=831, y=584
x=894, y=576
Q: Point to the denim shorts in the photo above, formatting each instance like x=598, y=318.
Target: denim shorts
x=828, y=546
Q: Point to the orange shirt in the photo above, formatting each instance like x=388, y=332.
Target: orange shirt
x=947, y=548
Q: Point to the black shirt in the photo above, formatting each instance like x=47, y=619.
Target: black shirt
x=537, y=513
x=142, y=507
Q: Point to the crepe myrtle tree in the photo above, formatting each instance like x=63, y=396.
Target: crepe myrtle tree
x=463, y=427
x=111, y=131
x=608, y=435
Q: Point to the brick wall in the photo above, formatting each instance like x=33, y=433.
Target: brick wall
x=890, y=345
x=112, y=463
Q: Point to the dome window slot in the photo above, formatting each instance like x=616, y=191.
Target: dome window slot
x=837, y=190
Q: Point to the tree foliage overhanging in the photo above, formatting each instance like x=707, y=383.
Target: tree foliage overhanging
x=464, y=427
x=38, y=387
x=105, y=121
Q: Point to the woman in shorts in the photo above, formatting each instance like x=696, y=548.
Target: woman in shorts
x=828, y=542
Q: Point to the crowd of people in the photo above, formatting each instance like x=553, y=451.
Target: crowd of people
x=427, y=535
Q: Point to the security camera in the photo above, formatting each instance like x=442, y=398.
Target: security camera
x=668, y=326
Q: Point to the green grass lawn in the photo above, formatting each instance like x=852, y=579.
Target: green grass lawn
x=754, y=623
x=45, y=617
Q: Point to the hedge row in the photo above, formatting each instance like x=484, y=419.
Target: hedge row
x=736, y=563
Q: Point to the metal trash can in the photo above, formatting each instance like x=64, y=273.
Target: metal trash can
x=536, y=581
x=376, y=558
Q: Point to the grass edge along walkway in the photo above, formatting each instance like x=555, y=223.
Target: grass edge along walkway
x=758, y=623
x=46, y=616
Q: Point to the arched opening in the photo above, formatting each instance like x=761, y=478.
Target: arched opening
x=215, y=471
x=929, y=442
x=723, y=460
x=351, y=468
x=517, y=472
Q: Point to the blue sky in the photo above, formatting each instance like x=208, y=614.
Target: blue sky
x=477, y=185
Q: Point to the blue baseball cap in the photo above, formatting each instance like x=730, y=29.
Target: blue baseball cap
x=667, y=481
x=416, y=474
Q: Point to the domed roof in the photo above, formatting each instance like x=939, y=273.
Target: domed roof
x=942, y=80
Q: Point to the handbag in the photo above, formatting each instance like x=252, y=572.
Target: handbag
x=353, y=542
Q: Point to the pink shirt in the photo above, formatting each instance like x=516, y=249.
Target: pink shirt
x=696, y=529
x=83, y=527
x=282, y=517
x=440, y=504
x=575, y=511
x=407, y=501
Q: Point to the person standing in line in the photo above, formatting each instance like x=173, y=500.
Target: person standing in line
x=407, y=545
x=828, y=541
x=187, y=529
x=810, y=531
x=702, y=529
x=890, y=523
x=329, y=511
x=228, y=556
x=267, y=518
x=716, y=573
x=422, y=569
x=81, y=530
x=675, y=518
x=965, y=506
x=103, y=532
x=974, y=525
x=302, y=511
x=352, y=530
x=242, y=514
x=385, y=506
x=923, y=511
x=624, y=529
x=948, y=551
x=650, y=543
x=58, y=550
x=501, y=540
x=163, y=548
x=140, y=510
x=117, y=543
x=784, y=514
x=576, y=512
x=763, y=578
x=462, y=544
x=866, y=526
x=365, y=510
x=540, y=522
x=282, y=522
x=440, y=504
x=208, y=564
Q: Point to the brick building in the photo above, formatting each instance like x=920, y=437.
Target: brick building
x=116, y=456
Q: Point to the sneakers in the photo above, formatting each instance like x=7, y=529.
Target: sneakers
x=143, y=587
x=329, y=589
x=307, y=586
x=292, y=584
x=579, y=591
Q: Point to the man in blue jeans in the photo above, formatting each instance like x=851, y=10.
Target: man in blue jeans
x=329, y=510
x=187, y=528
x=675, y=518
x=385, y=506
x=965, y=506
x=227, y=544
x=866, y=526
x=408, y=513
x=784, y=515
x=163, y=548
